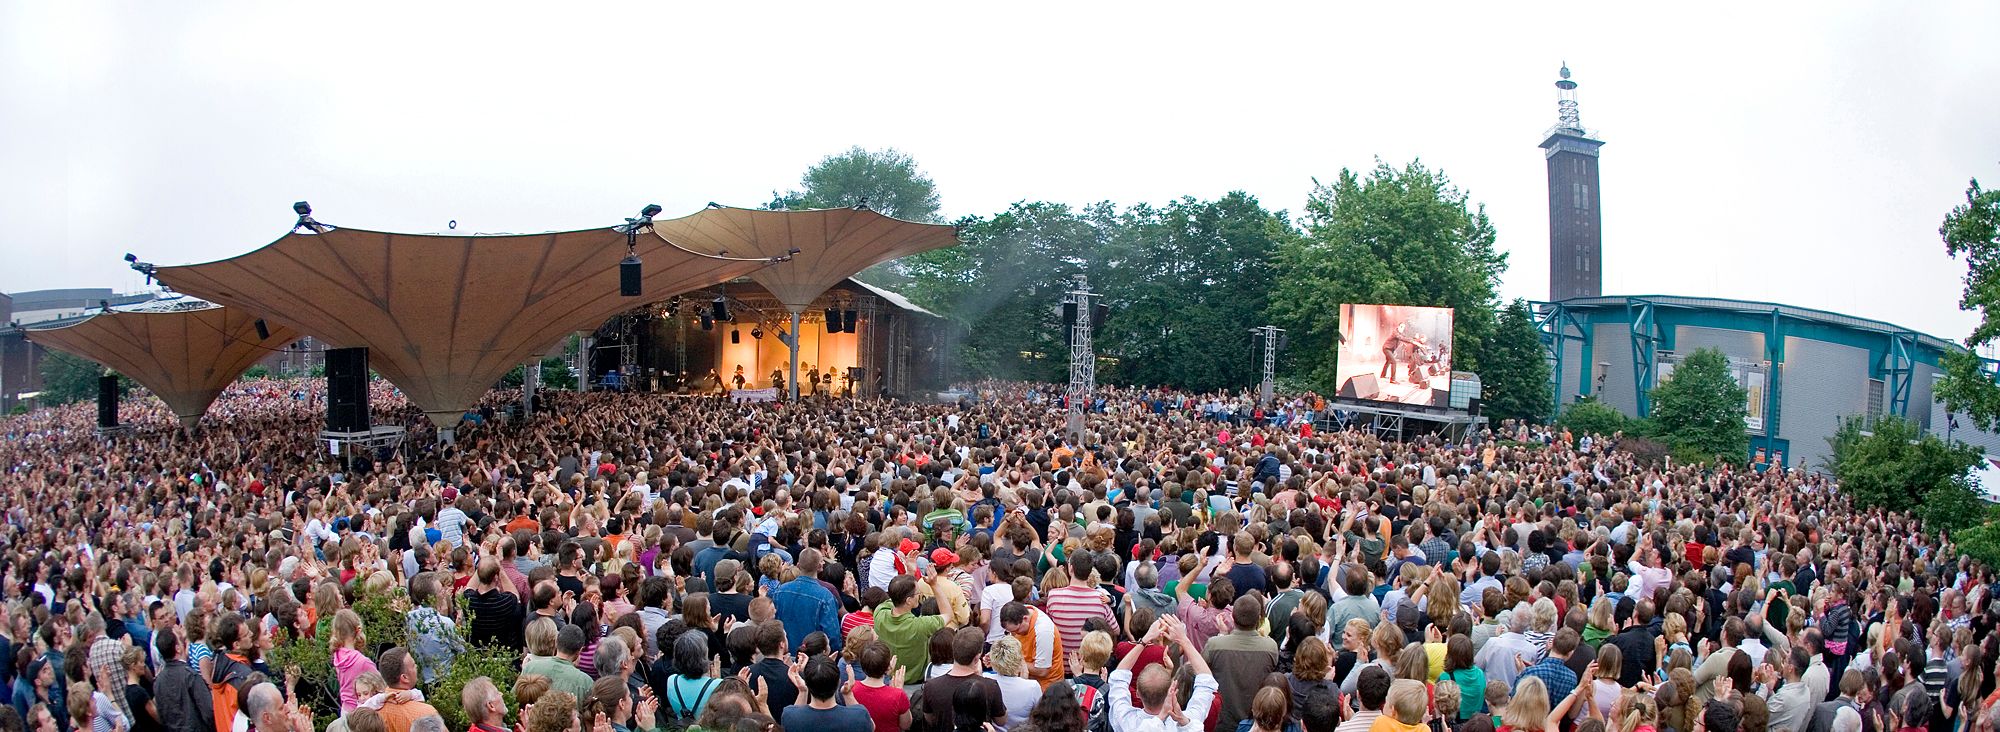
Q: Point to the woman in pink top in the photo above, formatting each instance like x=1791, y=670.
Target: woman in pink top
x=349, y=662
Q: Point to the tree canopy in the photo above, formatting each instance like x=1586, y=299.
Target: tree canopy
x=1404, y=236
x=1187, y=280
x=1699, y=410
x=888, y=180
x=1893, y=463
x=1972, y=230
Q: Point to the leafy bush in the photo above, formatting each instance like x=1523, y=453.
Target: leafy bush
x=1589, y=416
x=1981, y=542
x=501, y=665
x=1892, y=463
x=384, y=618
x=256, y=372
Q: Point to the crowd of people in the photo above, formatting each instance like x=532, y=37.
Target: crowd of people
x=647, y=564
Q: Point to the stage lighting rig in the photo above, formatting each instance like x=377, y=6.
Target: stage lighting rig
x=305, y=210
x=145, y=268
x=629, y=268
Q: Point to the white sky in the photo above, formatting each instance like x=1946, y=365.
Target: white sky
x=1797, y=153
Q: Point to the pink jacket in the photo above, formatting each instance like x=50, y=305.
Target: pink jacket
x=350, y=664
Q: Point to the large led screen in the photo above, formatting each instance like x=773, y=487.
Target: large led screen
x=1395, y=353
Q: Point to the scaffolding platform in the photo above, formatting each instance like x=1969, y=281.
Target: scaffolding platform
x=376, y=437
x=1396, y=421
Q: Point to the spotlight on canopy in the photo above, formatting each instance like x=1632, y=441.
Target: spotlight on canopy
x=184, y=350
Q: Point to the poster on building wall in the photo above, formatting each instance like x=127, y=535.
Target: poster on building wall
x=1753, y=376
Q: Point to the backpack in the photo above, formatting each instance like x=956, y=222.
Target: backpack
x=675, y=719
x=1096, y=708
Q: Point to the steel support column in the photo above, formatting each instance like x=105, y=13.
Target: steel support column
x=1645, y=346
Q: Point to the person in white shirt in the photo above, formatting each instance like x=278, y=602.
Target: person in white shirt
x=1158, y=690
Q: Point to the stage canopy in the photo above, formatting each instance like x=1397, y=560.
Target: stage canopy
x=833, y=244
x=186, y=351
x=445, y=316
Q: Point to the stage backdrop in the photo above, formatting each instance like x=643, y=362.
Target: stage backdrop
x=1395, y=353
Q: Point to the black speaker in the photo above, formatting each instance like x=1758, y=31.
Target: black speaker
x=833, y=321
x=1069, y=324
x=1440, y=398
x=735, y=336
x=347, y=390
x=263, y=331
x=707, y=322
x=107, y=401
x=1098, y=314
x=1361, y=386
x=719, y=310
x=850, y=321
x=1472, y=405
x=628, y=276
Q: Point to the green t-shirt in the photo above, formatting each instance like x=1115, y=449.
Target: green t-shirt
x=908, y=635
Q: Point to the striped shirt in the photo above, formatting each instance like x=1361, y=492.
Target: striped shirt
x=1071, y=606
x=854, y=620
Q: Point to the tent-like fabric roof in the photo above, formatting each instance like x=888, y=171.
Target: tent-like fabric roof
x=184, y=350
x=445, y=316
x=833, y=243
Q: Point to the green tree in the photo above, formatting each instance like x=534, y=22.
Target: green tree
x=69, y=378
x=1892, y=463
x=1002, y=285
x=1515, y=370
x=1589, y=416
x=1397, y=237
x=1972, y=230
x=888, y=180
x=1187, y=282
x=1699, y=410
x=257, y=371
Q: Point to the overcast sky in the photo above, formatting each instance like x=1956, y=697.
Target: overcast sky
x=1802, y=154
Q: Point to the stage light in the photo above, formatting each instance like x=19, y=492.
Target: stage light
x=304, y=210
x=832, y=320
x=130, y=257
x=850, y=321
x=735, y=335
x=712, y=204
x=651, y=210
x=719, y=310
x=104, y=305
x=263, y=330
x=757, y=333
x=862, y=205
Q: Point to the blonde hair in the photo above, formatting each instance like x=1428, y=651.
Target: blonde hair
x=1096, y=650
x=346, y=627
x=1530, y=708
x=1639, y=709
x=1006, y=657
x=1407, y=700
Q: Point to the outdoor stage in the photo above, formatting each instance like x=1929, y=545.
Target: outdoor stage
x=1395, y=421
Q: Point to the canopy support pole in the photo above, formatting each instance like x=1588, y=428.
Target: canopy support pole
x=792, y=381
x=531, y=379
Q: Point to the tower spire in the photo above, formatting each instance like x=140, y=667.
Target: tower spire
x=1567, y=117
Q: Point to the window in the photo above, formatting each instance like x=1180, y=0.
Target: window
x=1582, y=194
x=1874, y=397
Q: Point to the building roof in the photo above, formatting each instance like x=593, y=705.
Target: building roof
x=893, y=297
x=1825, y=317
x=445, y=316
x=825, y=245
x=184, y=350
